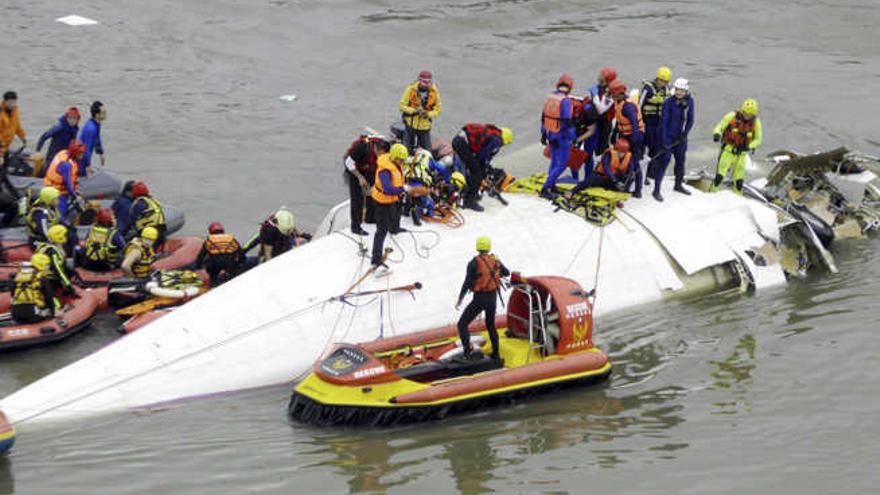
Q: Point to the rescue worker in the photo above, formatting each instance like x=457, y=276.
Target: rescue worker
x=42, y=214
x=630, y=127
x=558, y=130
x=91, y=136
x=61, y=134
x=360, y=172
x=476, y=145
x=613, y=172
x=587, y=125
x=277, y=235
x=420, y=105
x=33, y=295
x=140, y=255
x=421, y=170
x=677, y=120
x=122, y=209
x=598, y=94
x=651, y=99
x=388, y=188
x=146, y=211
x=739, y=133
x=63, y=175
x=54, y=248
x=221, y=255
x=10, y=125
x=483, y=278
x=102, y=246
x=9, y=197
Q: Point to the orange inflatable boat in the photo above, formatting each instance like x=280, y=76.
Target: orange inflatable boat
x=545, y=343
x=76, y=315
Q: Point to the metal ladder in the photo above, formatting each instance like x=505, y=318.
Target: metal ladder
x=536, y=308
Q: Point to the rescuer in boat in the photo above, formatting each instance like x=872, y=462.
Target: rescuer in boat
x=140, y=254
x=221, y=255
x=598, y=94
x=122, y=208
x=102, y=246
x=389, y=187
x=57, y=238
x=420, y=105
x=10, y=125
x=33, y=295
x=360, y=173
x=146, y=211
x=476, y=145
x=483, y=278
x=613, y=172
x=630, y=127
x=61, y=133
x=42, y=214
x=739, y=133
x=676, y=122
x=276, y=236
x=91, y=136
x=9, y=197
x=651, y=99
x=63, y=174
x=558, y=130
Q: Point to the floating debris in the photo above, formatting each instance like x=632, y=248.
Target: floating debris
x=288, y=98
x=76, y=20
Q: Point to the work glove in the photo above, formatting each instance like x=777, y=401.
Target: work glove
x=716, y=137
x=543, y=140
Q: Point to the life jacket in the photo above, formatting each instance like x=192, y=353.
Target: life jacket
x=415, y=101
x=618, y=167
x=418, y=169
x=33, y=226
x=368, y=164
x=99, y=245
x=551, y=117
x=488, y=273
x=653, y=106
x=739, y=132
x=151, y=216
x=54, y=179
x=384, y=163
x=478, y=134
x=144, y=266
x=56, y=256
x=624, y=126
x=220, y=244
x=28, y=288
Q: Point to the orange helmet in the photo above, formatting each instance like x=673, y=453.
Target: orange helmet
x=565, y=80
x=139, y=189
x=608, y=74
x=76, y=148
x=617, y=87
x=216, y=228
x=622, y=145
x=105, y=217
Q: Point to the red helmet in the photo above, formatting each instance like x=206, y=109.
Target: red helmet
x=72, y=112
x=617, y=87
x=139, y=189
x=105, y=217
x=622, y=145
x=426, y=77
x=76, y=148
x=216, y=228
x=565, y=80
x=608, y=74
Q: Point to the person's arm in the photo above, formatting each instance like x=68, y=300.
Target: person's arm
x=251, y=243
x=203, y=253
x=591, y=129
x=4, y=178
x=404, y=102
x=630, y=111
x=606, y=166
x=758, y=137
x=123, y=217
x=565, y=114
x=52, y=132
x=490, y=147
x=723, y=124
x=99, y=147
x=64, y=170
x=19, y=131
x=690, y=118
x=440, y=169
x=435, y=112
x=58, y=265
x=469, y=279
x=646, y=95
x=265, y=252
x=42, y=223
x=504, y=271
x=665, y=123
x=133, y=257
x=387, y=187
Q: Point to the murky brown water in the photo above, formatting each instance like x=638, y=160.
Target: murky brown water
x=775, y=393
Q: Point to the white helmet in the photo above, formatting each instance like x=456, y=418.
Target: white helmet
x=285, y=221
x=681, y=83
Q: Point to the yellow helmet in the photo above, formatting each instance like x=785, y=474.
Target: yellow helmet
x=48, y=194
x=40, y=261
x=664, y=74
x=150, y=233
x=484, y=244
x=285, y=221
x=57, y=234
x=506, y=136
x=750, y=107
x=458, y=180
x=398, y=152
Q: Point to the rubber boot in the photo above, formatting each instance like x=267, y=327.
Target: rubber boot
x=416, y=218
x=657, y=196
x=679, y=187
x=716, y=183
x=738, y=187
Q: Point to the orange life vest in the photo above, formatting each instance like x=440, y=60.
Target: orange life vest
x=488, y=273
x=551, y=118
x=384, y=163
x=368, y=164
x=618, y=167
x=54, y=179
x=478, y=134
x=415, y=99
x=739, y=132
x=624, y=126
x=219, y=244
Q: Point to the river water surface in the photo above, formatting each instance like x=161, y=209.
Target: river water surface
x=772, y=393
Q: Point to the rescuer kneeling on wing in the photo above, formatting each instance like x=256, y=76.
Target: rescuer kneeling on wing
x=612, y=173
x=483, y=278
x=221, y=255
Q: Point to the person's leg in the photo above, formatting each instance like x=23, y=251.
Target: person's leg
x=739, y=173
x=356, y=199
x=425, y=139
x=725, y=160
x=409, y=138
x=679, y=153
x=467, y=316
x=383, y=225
x=660, y=164
x=475, y=172
x=559, y=154
x=489, y=311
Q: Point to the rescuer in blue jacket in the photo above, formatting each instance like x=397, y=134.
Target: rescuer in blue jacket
x=91, y=136
x=558, y=130
x=677, y=121
x=61, y=134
